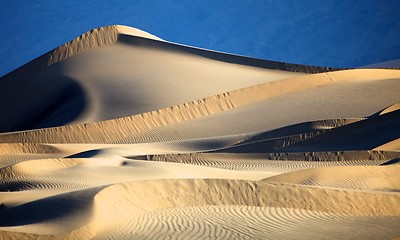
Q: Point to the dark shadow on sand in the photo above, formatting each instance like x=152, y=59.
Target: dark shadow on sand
x=48, y=209
x=85, y=154
x=224, y=57
x=45, y=100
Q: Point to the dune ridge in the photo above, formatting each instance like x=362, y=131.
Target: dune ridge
x=119, y=134
x=94, y=38
x=120, y=128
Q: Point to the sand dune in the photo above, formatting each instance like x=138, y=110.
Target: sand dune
x=128, y=201
x=119, y=134
x=355, y=177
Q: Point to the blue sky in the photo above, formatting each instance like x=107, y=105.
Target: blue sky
x=334, y=33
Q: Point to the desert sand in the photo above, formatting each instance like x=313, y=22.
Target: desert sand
x=119, y=134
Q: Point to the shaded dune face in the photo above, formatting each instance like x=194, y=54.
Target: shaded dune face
x=91, y=75
x=119, y=134
x=47, y=101
x=68, y=103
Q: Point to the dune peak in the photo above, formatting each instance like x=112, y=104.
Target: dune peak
x=135, y=32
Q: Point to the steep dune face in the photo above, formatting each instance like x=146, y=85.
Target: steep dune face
x=119, y=134
x=88, y=77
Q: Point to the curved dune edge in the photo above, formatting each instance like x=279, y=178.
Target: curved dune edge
x=123, y=127
x=39, y=166
x=129, y=200
x=31, y=180
x=262, y=143
x=391, y=108
x=10, y=148
x=80, y=89
x=258, y=162
x=60, y=214
x=374, y=178
x=106, y=35
x=390, y=146
x=112, y=130
x=148, y=195
x=363, y=135
x=322, y=157
x=92, y=39
x=300, y=130
x=122, y=29
x=95, y=38
x=69, y=174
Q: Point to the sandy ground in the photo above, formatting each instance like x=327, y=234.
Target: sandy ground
x=119, y=134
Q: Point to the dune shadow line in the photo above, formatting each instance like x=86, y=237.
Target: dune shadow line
x=40, y=102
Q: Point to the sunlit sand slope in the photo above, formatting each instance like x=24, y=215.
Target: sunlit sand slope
x=119, y=134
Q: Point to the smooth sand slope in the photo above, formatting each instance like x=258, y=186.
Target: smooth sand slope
x=119, y=134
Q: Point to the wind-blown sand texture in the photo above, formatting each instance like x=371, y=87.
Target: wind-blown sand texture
x=119, y=134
